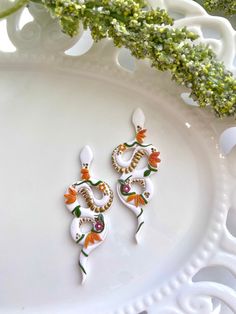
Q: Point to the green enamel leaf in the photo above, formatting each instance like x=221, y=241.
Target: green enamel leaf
x=77, y=211
x=127, y=194
x=152, y=169
x=147, y=173
x=122, y=182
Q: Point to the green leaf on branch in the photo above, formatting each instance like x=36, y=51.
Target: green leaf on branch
x=147, y=173
x=76, y=211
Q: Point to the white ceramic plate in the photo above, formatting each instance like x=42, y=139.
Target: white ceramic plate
x=51, y=106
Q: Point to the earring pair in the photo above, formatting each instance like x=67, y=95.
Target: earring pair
x=131, y=175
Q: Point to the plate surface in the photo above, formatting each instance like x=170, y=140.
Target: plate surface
x=42, y=132
x=51, y=106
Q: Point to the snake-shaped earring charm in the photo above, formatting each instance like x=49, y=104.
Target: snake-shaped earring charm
x=133, y=175
x=92, y=213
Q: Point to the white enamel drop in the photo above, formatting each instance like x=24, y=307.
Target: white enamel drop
x=138, y=118
x=86, y=155
x=132, y=174
x=91, y=211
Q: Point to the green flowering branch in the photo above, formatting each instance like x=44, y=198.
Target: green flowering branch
x=228, y=7
x=147, y=33
x=18, y=5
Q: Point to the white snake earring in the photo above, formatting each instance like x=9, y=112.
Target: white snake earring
x=92, y=214
x=130, y=174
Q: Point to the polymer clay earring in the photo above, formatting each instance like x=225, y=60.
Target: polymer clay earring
x=130, y=174
x=91, y=213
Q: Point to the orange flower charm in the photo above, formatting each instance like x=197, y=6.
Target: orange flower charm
x=102, y=187
x=70, y=196
x=153, y=159
x=85, y=174
x=122, y=148
x=140, y=136
x=91, y=238
x=138, y=199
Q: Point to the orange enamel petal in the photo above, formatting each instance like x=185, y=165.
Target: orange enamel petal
x=155, y=154
x=91, y=238
x=139, y=139
x=84, y=170
x=131, y=197
x=153, y=163
x=85, y=174
x=141, y=135
x=96, y=237
x=72, y=191
x=136, y=200
x=87, y=240
x=70, y=199
x=141, y=200
x=153, y=159
x=143, y=131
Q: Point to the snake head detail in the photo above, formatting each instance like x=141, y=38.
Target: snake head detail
x=138, y=120
x=86, y=157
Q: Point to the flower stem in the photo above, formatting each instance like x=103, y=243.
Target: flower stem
x=19, y=4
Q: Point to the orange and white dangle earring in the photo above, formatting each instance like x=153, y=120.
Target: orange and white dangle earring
x=91, y=213
x=131, y=174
